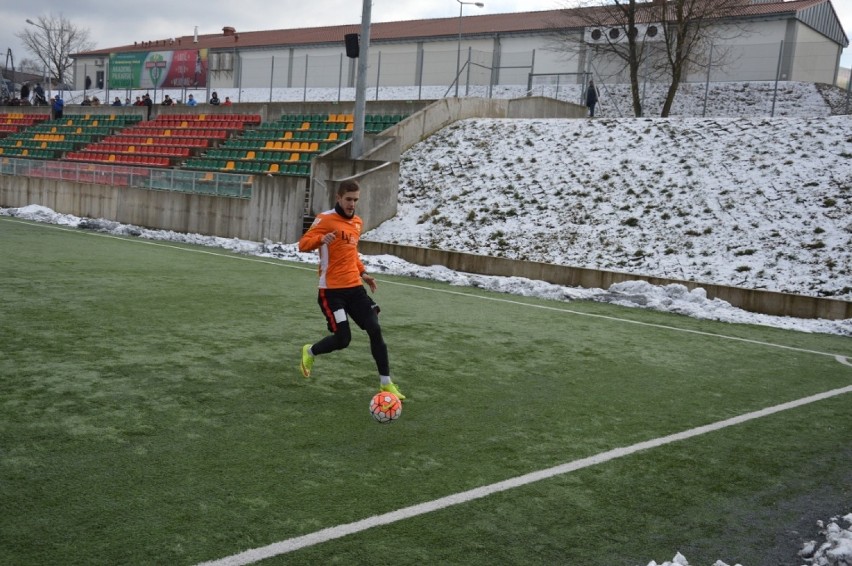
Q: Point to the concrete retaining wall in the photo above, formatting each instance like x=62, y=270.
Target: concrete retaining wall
x=274, y=212
x=765, y=302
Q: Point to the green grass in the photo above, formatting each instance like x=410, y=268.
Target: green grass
x=152, y=412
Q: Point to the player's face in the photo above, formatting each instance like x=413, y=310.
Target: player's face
x=347, y=201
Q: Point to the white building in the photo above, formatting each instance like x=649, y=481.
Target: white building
x=799, y=40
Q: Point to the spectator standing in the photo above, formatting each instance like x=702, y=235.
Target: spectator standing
x=40, y=99
x=190, y=101
x=146, y=101
x=227, y=101
x=592, y=97
x=58, y=107
x=214, y=100
x=117, y=101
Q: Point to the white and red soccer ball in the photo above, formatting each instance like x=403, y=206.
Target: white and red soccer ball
x=385, y=407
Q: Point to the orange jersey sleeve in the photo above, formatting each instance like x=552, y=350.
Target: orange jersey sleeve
x=340, y=264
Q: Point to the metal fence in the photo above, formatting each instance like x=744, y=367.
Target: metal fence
x=389, y=67
x=438, y=70
x=197, y=182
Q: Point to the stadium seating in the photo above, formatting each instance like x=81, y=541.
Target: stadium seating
x=50, y=139
x=13, y=122
x=166, y=141
x=287, y=145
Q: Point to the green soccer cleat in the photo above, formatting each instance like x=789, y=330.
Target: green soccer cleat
x=307, y=360
x=391, y=388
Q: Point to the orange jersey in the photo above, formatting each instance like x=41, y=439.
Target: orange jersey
x=340, y=265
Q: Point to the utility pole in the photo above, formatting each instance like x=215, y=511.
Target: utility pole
x=357, y=143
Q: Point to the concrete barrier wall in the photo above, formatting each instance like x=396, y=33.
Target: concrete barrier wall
x=765, y=302
x=274, y=212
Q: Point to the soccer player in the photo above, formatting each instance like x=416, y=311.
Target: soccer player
x=342, y=296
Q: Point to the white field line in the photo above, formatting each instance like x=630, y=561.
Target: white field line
x=291, y=265
x=275, y=549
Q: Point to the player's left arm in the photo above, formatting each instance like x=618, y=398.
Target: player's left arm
x=370, y=281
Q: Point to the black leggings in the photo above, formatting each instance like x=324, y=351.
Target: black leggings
x=339, y=306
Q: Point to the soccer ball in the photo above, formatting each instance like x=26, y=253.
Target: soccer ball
x=385, y=407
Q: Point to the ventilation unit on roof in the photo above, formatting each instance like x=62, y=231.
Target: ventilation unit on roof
x=602, y=35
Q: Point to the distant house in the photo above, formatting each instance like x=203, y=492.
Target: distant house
x=799, y=40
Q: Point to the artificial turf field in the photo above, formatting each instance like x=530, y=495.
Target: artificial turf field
x=152, y=412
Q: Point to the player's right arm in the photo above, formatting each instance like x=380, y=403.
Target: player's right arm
x=314, y=237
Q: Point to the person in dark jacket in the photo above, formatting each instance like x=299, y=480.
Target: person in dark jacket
x=38, y=95
x=591, y=98
x=146, y=100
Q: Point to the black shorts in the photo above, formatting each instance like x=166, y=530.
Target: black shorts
x=338, y=305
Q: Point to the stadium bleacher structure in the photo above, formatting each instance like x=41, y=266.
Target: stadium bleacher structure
x=286, y=146
x=217, y=143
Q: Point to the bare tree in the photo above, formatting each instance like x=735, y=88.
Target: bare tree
x=52, y=39
x=689, y=33
x=28, y=65
x=663, y=39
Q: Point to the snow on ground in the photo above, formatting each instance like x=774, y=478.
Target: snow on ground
x=736, y=198
x=755, y=203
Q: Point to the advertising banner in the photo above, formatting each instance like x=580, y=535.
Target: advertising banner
x=185, y=68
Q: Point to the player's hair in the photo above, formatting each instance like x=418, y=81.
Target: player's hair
x=348, y=186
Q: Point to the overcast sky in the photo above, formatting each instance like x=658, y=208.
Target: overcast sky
x=121, y=23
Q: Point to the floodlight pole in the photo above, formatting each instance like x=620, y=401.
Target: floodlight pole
x=458, y=49
x=357, y=143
